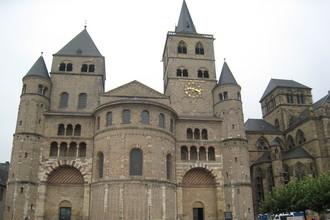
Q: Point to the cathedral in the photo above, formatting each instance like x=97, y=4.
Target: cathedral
x=133, y=153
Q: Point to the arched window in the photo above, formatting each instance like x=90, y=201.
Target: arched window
x=199, y=50
x=98, y=123
x=40, y=88
x=109, y=119
x=262, y=144
x=84, y=68
x=136, y=162
x=60, y=130
x=197, y=134
x=270, y=178
x=300, y=137
x=238, y=96
x=82, y=149
x=77, y=130
x=211, y=153
x=91, y=68
x=126, y=116
x=185, y=73
x=184, y=153
x=44, y=91
x=62, y=67
x=53, y=149
x=100, y=164
x=290, y=142
x=189, y=133
x=277, y=123
x=69, y=67
x=193, y=153
x=63, y=149
x=182, y=72
x=182, y=47
x=169, y=166
x=202, y=153
x=145, y=118
x=72, y=149
x=202, y=73
x=204, y=134
x=69, y=130
x=64, y=99
x=220, y=97
x=82, y=100
x=161, y=120
x=225, y=95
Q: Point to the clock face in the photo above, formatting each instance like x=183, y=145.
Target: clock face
x=192, y=89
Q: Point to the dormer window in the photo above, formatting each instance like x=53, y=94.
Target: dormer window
x=182, y=47
x=199, y=50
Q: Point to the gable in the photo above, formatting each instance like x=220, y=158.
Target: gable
x=135, y=89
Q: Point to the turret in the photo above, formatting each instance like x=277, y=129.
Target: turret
x=228, y=104
x=27, y=143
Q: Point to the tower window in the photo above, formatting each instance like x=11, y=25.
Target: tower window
x=300, y=99
x=197, y=134
x=91, y=68
x=98, y=123
x=40, y=89
x=69, y=67
x=211, y=153
x=182, y=47
x=238, y=96
x=199, y=50
x=24, y=89
x=171, y=125
x=62, y=67
x=220, y=97
x=289, y=98
x=204, y=134
x=82, y=150
x=169, y=166
x=61, y=130
x=181, y=72
x=100, y=164
x=184, y=153
x=77, y=130
x=63, y=149
x=64, y=99
x=53, y=149
x=69, y=130
x=84, y=68
x=82, y=101
x=72, y=149
x=189, y=133
x=201, y=73
x=225, y=95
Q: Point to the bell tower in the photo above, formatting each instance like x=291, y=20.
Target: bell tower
x=189, y=68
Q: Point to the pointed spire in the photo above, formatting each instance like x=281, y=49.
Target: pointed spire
x=39, y=69
x=185, y=24
x=80, y=45
x=226, y=76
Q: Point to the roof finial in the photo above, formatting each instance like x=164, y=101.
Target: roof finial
x=85, y=26
x=42, y=53
x=224, y=59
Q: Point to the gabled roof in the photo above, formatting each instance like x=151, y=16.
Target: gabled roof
x=294, y=153
x=39, y=69
x=260, y=125
x=185, y=23
x=284, y=83
x=80, y=45
x=135, y=89
x=226, y=76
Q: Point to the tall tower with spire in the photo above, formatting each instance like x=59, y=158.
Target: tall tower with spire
x=28, y=142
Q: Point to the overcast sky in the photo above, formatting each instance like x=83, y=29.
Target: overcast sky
x=260, y=39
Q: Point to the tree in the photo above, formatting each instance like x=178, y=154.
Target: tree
x=309, y=193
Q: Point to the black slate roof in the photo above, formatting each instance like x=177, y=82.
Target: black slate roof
x=39, y=69
x=185, y=23
x=322, y=101
x=226, y=76
x=80, y=45
x=260, y=125
x=296, y=152
x=284, y=83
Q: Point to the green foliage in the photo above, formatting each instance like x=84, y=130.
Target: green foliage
x=309, y=193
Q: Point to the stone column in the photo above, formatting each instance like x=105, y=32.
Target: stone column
x=179, y=202
x=41, y=200
x=220, y=203
x=85, y=210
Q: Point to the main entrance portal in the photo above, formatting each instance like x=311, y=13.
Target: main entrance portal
x=198, y=214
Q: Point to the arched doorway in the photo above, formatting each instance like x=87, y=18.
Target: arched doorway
x=65, y=194
x=199, y=195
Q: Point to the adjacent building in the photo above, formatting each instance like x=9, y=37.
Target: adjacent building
x=4, y=167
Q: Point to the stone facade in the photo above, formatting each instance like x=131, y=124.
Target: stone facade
x=291, y=141
x=130, y=153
